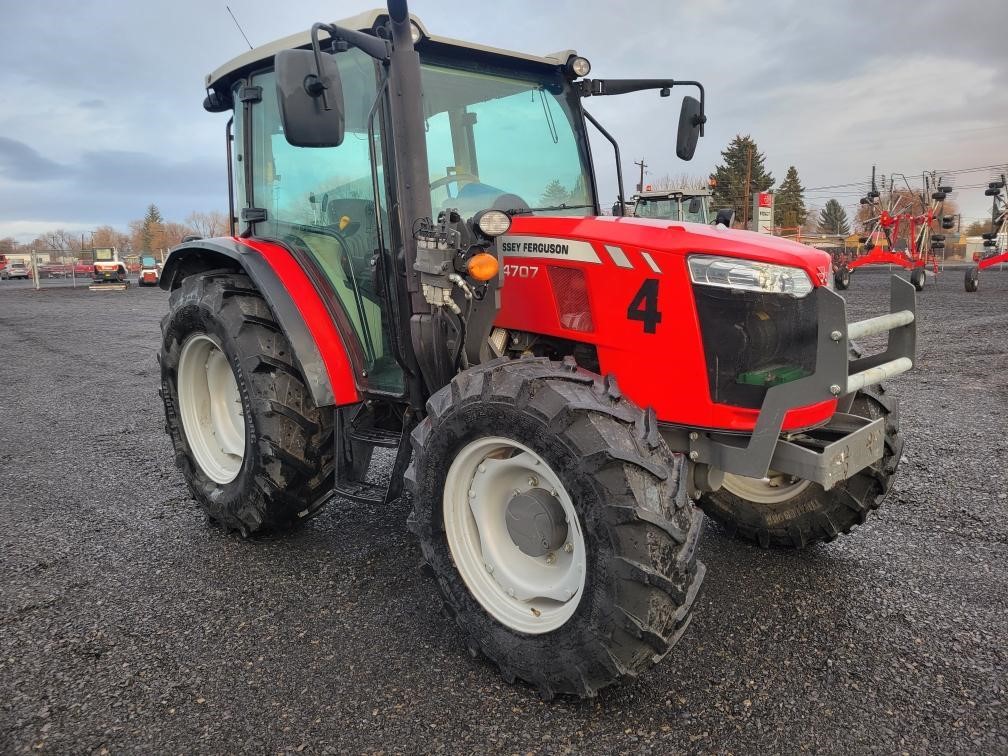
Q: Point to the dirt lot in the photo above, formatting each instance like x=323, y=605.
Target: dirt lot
x=128, y=624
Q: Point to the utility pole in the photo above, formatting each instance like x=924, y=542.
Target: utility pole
x=643, y=165
x=747, y=200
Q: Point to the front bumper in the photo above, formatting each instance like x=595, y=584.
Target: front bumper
x=847, y=443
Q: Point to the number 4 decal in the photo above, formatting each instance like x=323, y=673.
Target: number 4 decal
x=644, y=306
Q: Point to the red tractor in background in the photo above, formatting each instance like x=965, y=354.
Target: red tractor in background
x=419, y=261
x=909, y=242
x=995, y=241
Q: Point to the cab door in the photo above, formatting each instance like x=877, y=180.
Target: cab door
x=321, y=203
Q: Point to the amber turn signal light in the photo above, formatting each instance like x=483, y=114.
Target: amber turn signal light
x=482, y=266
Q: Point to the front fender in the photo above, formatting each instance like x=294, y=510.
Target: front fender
x=319, y=350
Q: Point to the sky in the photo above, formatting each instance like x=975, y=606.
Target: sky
x=101, y=102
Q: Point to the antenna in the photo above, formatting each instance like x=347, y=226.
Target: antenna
x=239, y=26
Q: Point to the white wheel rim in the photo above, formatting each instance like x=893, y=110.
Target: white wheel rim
x=211, y=408
x=774, y=489
x=528, y=594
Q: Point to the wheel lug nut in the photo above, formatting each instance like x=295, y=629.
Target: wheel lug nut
x=550, y=558
x=481, y=468
x=533, y=481
x=490, y=568
x=568, y=547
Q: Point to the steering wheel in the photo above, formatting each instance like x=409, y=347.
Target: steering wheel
x=445, y=180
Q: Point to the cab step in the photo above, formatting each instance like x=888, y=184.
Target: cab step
x=375, y=436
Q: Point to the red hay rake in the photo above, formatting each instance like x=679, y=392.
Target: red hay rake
x=902, y=222
x=996, y=240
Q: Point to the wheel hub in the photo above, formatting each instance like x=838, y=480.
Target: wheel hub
x=514, y=534
x=210, y=406
x=536, y=522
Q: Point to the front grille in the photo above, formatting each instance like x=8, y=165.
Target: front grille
x=753, y=341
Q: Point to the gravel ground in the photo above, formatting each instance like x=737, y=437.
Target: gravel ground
x=127, y=624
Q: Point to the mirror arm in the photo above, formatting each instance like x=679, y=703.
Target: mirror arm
x=376, y=48
x=600, y=87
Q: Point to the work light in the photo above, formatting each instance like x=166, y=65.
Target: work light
x=579, y=66
x=493, y=222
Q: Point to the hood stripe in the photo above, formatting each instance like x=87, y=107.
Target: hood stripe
x=618, y=256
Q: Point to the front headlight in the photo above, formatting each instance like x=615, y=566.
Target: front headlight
x=749, y=275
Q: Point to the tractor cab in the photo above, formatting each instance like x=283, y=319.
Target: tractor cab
x=690, y=205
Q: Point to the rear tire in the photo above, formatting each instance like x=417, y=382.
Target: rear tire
x=972, y=278
x=918, y=277
x=811, y=514
x=842, y=278
x=639, y=574
x=287, y=462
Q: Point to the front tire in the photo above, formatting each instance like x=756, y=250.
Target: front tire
x=252, y=446
x=972, y=279
x=918, y=278
x=612, y=593
x=791, y=513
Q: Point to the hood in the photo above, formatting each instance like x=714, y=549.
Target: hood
x=680, y=238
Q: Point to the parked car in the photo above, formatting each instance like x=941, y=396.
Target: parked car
x=15, y=270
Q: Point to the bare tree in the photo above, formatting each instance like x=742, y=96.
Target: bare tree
x=680, y=181
x=207, y=225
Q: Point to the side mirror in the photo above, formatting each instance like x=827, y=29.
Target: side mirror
x=311, y=100
x=617, y=208
x=725, y=217
x=691, y=118
x=695, y=206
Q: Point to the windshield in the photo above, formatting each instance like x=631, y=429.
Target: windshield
x=103, y=255
x=503, y=142
x=657, y=208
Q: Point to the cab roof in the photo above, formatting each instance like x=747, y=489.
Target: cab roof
x=365, y=22
x=662, y=193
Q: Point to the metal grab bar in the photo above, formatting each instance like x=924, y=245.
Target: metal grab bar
x=881, y=324
x=877, y=374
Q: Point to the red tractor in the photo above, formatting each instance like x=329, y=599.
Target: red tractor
x=419, y=261
x=995, y=241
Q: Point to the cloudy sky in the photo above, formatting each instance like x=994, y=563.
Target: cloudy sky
x=100, y=103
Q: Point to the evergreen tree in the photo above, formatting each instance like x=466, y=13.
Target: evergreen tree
x=789, y=201
x=740, y=158
x=555, y=194
x=151, y=229
x=833, y=219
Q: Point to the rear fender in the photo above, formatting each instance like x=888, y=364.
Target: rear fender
x=319, y=350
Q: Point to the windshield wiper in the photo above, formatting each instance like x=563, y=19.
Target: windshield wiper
x=552, y=207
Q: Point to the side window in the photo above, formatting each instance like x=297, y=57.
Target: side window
x=322, y=201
